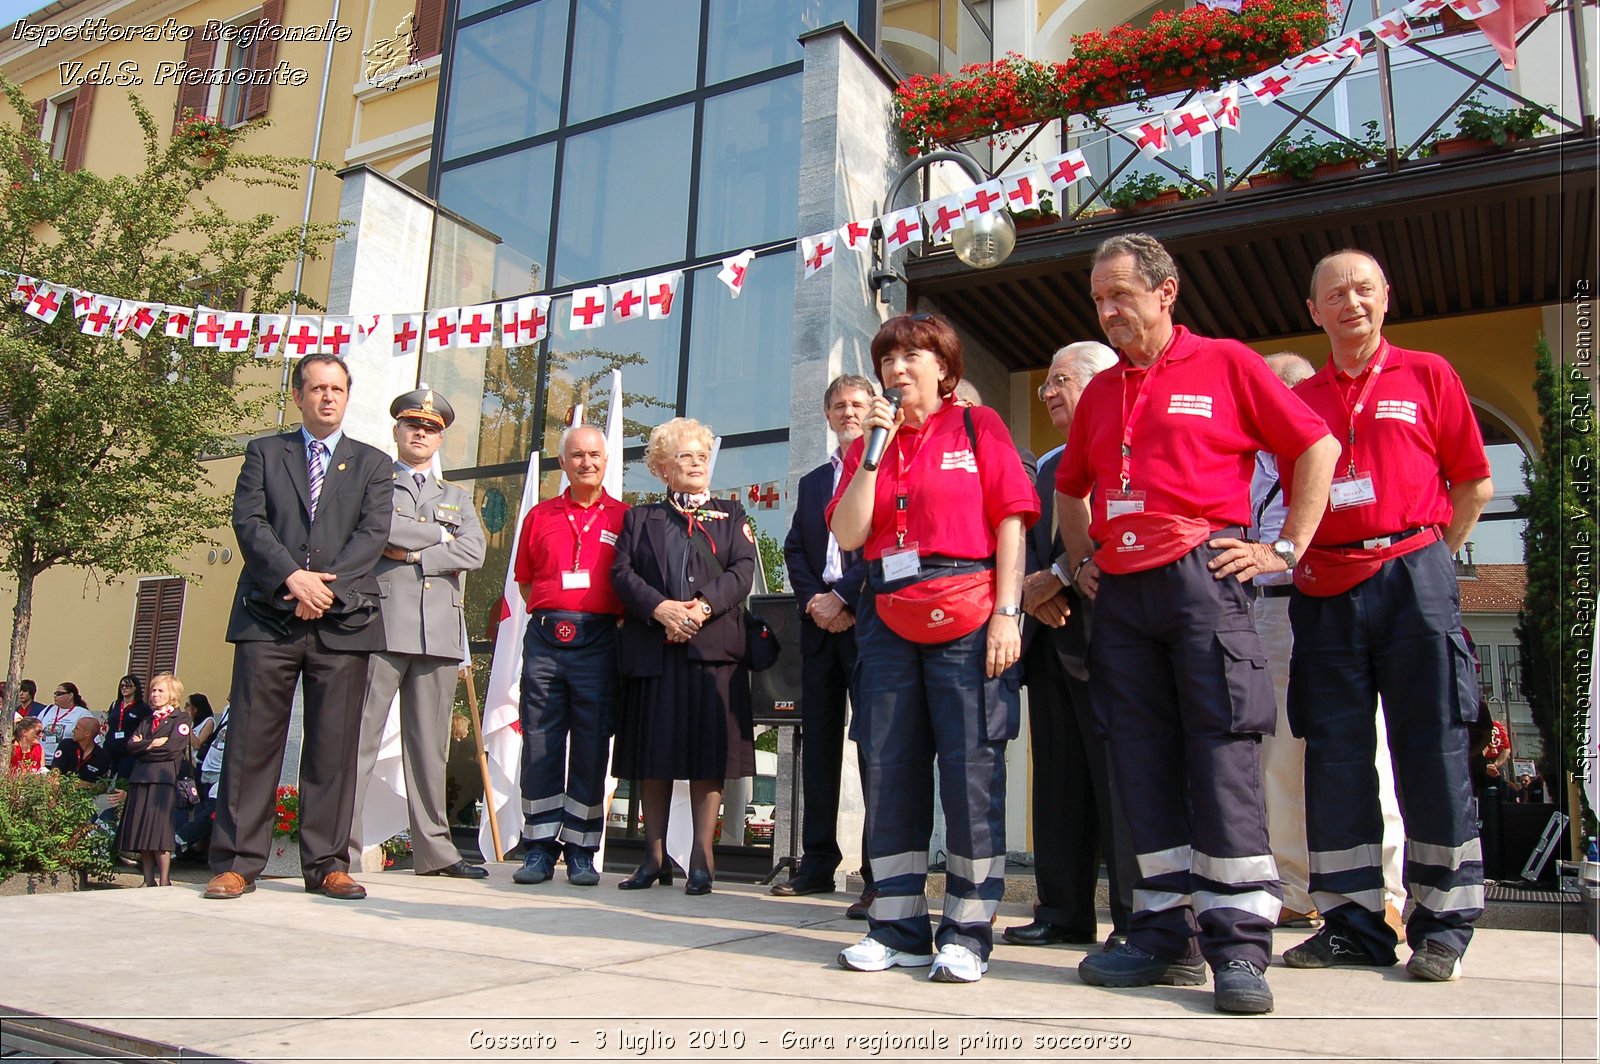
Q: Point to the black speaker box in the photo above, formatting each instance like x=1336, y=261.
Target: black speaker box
x=775, y=693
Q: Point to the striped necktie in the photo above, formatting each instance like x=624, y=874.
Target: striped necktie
x=314, y=451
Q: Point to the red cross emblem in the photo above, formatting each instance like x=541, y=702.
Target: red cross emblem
x=443, y=329
x=566, y=631
x=662, y=300
x=627, y=304
x=267, y=339
x=81, y=303
x=211, y=327
x=1066, y=171
x=302, y=339
x=510, y=327
x=99, y=318
x=1474, y=8
x=177, y=322
x=533, y=324
x=819, y=255
x=1312, y=59
x=769, y=497
x=1394, y=28
x=405, y=336
x=45, y=302
x=26, y=286
x=236, y=334
x=589, y=310
x=143, y=320
x=947, y=215
x=1271, y=86
x=336, y=339
x=474, y=328
x=983, y=201
x=1189, y=125
x=904, y=230
x=1428, y=7
x=1152, y=135
x=854, y=233
x=1022, y=192
x=738, y=275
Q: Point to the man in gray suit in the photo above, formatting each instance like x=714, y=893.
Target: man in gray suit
x=311, y=511
x=434, y=541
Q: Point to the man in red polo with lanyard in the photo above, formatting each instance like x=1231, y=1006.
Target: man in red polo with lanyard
x=569, y=664
x=1165, y=443
x=1377, y=612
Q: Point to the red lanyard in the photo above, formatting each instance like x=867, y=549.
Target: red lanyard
x=1361, y=400
x=577, y=534
x=902, y=497
x=1138, y=408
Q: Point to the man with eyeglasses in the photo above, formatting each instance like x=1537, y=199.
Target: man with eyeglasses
x=1075, y=822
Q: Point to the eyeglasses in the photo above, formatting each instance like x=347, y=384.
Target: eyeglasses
x=919, y=318
x=692, y=456
x=60, y=693
x=1056, y=382
x=125, y=683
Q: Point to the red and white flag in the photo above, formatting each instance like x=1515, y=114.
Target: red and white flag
x=82, y=301
x=141, y=317
x=627, y=300
x=983, y=199
x=23, y=291
x=102, y=312
x=269, y=334
x=901, y=229
x=235, y=336
x=367, y=324
x=1347, y=47
x=1502, y=23
x=1062, y=170
x=1391, y=31
x=1187, y=123
x=735, y=269
x=46, y=302
x=439, y=334
x=1021, y=190
x=816, y=252
x=476, y=327
x=178, y=321
x=1150, y=138
x=945, y=215
x=1223, y=106
x=1269, y=84
x=1473, y=10
x=533, y=317
x=338, y=335
x=405, y=334
x=1424, y=8
x=588, y=308
x=304, y=336
x=510, y=328
x=207, y=327
x=660, y=294
x=856, y=236
x=1316, y=57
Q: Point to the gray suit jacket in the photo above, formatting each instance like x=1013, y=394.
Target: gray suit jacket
x=422, y=603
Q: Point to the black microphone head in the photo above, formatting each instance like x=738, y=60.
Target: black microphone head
x=893, y=395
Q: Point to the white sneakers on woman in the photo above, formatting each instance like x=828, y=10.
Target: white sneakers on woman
x=954, y=964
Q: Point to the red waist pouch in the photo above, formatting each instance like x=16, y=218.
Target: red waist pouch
x=1327, y=571
x=939, y=609
x=1136, y=542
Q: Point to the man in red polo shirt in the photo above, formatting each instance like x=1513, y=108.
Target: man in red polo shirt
x=1153, y=494
x=1377, y=613
x=569, y=664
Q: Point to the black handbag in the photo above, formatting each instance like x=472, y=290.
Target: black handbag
x=188, y=790
x=761, y=646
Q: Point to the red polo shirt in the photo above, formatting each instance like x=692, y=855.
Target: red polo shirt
x=943, y=482
x=559, y=536
x=1212, y=405
x=1415, y=437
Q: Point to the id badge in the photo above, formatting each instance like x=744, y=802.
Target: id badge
x=1346, y=493
x=901, y=563
x=117, y=736
x=49, y=742
x=1120, y=503
x=577, y=580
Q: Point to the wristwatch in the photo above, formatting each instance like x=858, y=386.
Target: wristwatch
x=411, y=557
x=1008, y=611
x=1285, y=549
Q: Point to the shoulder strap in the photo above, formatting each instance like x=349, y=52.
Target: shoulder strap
x=972, y=433
x=1266, y=504
x=704, y=547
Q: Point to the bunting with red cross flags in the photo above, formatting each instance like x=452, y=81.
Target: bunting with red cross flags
x=735, y=268
x=1021, y=190
x=304, y=336
x=236, y=332
x=660, y=293
x=511, y=336
x=23, y=290
x=81, y=302
x=1392, y=30
x=981, y=199
x=439, y=329
x=101, y=313
x=1150, y=138
x=141, y=317
x=338, y=335
x=178, y=321
x=588, y=308
x=207, y=326
x=405, y=335
x=1473, y=10
x=816, y=252
x=269, y=334
x=476, y=327
x=1268, y=85
x=533, y=317
x=1062, y=170
x=1503, y=22
x=1347, y=47
x=901, y=229
x=944, y=216
x=1190, y=122
x=627, y=300
x=46, y=301
x=856, y=236
x=1223, y=106
x=367, y=324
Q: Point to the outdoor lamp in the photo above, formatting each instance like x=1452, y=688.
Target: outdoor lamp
x=980, y=244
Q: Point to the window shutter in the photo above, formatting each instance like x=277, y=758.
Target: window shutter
x=199, y=55
x=78, y=134
x=157, y=622
x=266, y=56
x=38, y=114
x=428, y=26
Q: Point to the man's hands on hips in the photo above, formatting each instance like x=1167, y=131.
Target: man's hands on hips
x=310, y=592
x=1243, y=560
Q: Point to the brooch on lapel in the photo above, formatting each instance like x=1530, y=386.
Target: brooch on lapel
x=710, y=515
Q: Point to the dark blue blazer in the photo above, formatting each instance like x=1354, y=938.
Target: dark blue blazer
x=1071, y=640
x=805, y=554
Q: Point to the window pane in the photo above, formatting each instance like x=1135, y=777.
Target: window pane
x=750, y=166
x=505, y=81
x=629, y=52
x=762, y=468
x=510, y=197
x=751, y=35
x=580, y=363
x=740, y=349
x=911, y=35
x=624, y=197
x=63, y=127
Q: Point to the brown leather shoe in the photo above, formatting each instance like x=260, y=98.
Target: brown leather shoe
x=338, y=885
x=226, y=885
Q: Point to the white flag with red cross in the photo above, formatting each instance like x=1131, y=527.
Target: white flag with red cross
x=533, y=318
x=46, y=302
x=405, y=335
x=1062, y=170
x=1424, y=8
x=945, y=215
x=102, y=312
x=627, y=300
x=439, y=333
x=269, y=334
x=856, y=236
x=1472, y=10
x=82, y=301
x=236, y=330
x=1187, y=123
x=367, y=324
x=1223, y=106
x=304, y=336
x=1150, y=137
x=983, y=199
x=476, y=326
x=1021, y=190
x=510, y=328
x=338, y=335
x=660, y=293
x=817, y=251
x=207, y=326
x=1392, y=30
x=901, y=229
x=178, y=321
x=735, y=270
x=1318, y=56
x=1347, y=47
x=24, y=288
x=140, y=318
x=588, y=308
x=1268, y=85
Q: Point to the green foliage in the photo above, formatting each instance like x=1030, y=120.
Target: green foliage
x=768, y=741
x=1136, y=189
x=102, y=438
x=1478, y=120
x=1556, y=623
x=1300, y=156
x=47, y=825
x=771, y=552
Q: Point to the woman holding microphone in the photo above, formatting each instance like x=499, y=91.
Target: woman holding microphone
x=936, y=495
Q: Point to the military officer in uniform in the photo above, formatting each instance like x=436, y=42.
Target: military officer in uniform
x=434, y=540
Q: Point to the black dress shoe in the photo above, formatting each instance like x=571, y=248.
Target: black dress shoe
x=459, y=870
x=644, y=878
x=803, y=884
x=699, y=882
x=1044, y=933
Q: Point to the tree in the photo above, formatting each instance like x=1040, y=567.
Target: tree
x=102, y=438
x=1558, y=547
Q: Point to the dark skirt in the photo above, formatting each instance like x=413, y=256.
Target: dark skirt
x=149, y=817
x=690, y=723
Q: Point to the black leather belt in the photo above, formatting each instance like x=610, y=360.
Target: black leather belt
x=939, y=561
x=1275, y=590
x=1379, y=542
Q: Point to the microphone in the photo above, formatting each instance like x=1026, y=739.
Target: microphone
x=880, y=436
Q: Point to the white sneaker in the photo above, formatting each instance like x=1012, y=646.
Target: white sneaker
x=870, y=955
x=957, y=964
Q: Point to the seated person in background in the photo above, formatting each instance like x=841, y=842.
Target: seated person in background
x=26, y=753
x=80, y=755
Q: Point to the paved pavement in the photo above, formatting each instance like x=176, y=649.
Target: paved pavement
x=433, y=969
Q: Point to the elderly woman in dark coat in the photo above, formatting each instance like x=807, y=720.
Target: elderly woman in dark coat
x=683, y=568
